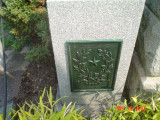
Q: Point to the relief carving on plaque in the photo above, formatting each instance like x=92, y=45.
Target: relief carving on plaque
x=87, y=76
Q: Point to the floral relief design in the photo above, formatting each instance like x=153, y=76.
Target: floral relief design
x=90, y=77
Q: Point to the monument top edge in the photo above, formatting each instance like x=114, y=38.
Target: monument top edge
x=96, y=0
x=93, y=41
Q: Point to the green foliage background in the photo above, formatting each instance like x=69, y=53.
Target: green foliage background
x=27, y=21
x=8, y=37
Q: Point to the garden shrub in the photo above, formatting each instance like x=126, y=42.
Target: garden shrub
x=28, y=20
x=38, y=54
x=42, y=29
x=8, y=38
x=21, y=16
x=46, y=111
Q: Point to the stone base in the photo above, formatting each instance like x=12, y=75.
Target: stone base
x=137, y=80
x=91, y=111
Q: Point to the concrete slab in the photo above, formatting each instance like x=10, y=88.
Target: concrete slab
x=15, y=63
x=9, y=106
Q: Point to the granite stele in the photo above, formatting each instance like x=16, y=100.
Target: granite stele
x=93, y=42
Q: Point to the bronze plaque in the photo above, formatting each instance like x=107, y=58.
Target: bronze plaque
x=93, y=64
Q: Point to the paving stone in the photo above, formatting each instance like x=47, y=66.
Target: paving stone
x=9, y=106
x=15, y=63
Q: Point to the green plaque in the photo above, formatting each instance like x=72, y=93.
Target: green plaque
x=93, y=64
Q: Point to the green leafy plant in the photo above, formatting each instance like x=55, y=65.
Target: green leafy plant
x=8, y=38
x=38, y=54
x=141, y=110
x=1, y=117
x=46, y=111
x=41, y=52
x=21, y=16
x=42, y=29
x=28, y=23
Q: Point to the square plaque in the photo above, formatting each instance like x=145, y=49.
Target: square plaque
x=93, y=64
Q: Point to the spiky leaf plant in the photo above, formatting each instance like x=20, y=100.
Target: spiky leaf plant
x=46, y=111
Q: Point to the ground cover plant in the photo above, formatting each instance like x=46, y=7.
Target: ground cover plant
x=45, y=110
x=141, y=109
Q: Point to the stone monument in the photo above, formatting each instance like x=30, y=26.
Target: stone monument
x=144, y=75
x=93, y=42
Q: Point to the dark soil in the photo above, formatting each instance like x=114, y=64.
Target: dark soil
x=35, y=78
